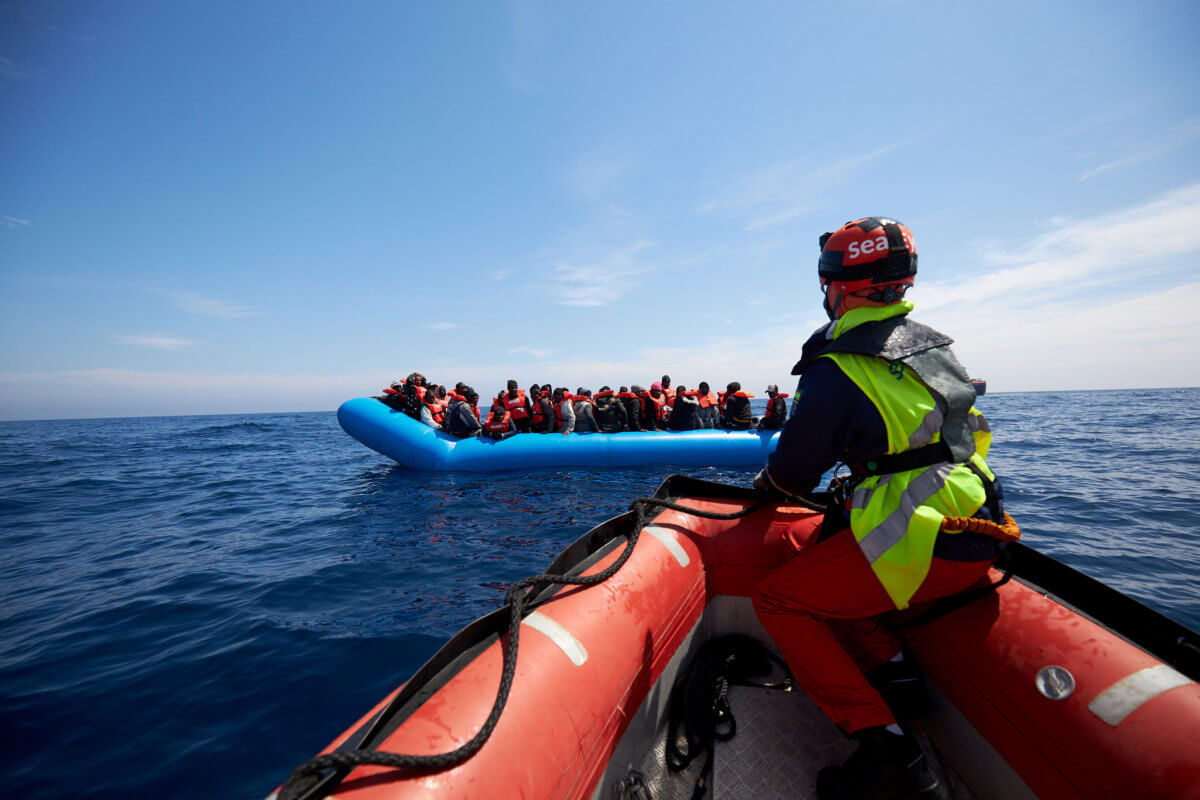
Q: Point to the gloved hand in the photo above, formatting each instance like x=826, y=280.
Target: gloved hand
x=760, y=480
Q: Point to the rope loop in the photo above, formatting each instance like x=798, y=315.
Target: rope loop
x=317, y=777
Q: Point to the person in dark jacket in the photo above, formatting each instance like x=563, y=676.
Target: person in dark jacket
x=543, y=409
x=776, y=410
x=460, y=418
x=632, y=400
x=585, y=415
x=610, y=411
x=737, y=416
x=685, y=412
x=875, y=390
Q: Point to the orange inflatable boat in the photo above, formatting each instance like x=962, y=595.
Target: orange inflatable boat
x=1048, y=685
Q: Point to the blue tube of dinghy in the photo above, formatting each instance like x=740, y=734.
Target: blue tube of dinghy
x=418, y=446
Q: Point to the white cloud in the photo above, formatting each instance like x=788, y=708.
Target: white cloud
x=531, y=351
x=209, y=307
x=15, y=222
x=155, y=341
x=441, y=326
x=786, y=190
x=601, y=280
x=1172, y=139
x=1125, y=246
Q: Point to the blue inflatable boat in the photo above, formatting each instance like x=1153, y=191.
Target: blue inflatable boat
x=417, y=446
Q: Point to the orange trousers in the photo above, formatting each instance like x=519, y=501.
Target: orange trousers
x=821, y=609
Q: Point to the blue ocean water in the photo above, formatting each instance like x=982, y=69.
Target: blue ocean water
x=190, y=606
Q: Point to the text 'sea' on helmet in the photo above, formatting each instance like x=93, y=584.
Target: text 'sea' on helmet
x=872, y=251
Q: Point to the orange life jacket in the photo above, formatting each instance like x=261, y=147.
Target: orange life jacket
x=708, y=400
x=515, y=405
x=497, y=426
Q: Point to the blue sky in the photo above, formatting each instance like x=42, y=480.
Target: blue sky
x=236, y=207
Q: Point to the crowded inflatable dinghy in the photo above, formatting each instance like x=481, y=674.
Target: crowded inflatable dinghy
x=1047, y=685
x=412, y=444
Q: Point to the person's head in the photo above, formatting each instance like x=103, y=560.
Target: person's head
x=497, y=408
x=440, y=391
x=666, y=382
x=545, y=387
x=733, y=386
x=586, y=392
x=397, y=385
x=868, y=262
x=415, y=379
x=579, y=390
x=703, y=387
x=606, y=388
x=637, y=389
x=558, y=394
x=512, y=387
x=534, y=390
x=459, y=387
x=772, y=390
x=656, y=388
x=623, y=389
x=471, y=395
x=680, y=389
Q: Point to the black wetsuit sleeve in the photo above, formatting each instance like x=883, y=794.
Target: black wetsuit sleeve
x=831, y=420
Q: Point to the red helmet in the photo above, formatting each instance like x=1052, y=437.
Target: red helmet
x=866, y=253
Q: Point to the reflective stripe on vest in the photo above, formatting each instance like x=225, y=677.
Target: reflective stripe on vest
x=895, y=518
x=515, y=405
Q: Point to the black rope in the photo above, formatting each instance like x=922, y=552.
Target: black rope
x=315, y=778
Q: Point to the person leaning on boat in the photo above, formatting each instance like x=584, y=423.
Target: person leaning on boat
x=886, y=396
x=460, y=416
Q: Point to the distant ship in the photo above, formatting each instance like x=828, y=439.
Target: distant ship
x=980, y=386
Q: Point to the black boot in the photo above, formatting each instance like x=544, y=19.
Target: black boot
x=902, y=686
x=886, y=766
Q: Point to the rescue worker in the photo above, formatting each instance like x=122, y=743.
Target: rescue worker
x=499, y=423
x=776, y=410
x=632, y=400
x=886, y=396
x=684, y=412
x=460, y=418
x=736, y=414
x=610, y=411
x=517, y=405
x=707, y=416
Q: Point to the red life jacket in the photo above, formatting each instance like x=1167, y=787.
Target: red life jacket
x=608, y=393
x=743, y=394
x=688, y=394
x=420, y=392
x=537, y=417
x=515, y=406
x=708, y=400
x=659, y=404
x=626, y=395
x=670, y=394
x=497, y=426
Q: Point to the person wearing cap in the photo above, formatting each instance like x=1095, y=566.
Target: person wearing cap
x=887, y=397
x=654, y=405
x=776, y=410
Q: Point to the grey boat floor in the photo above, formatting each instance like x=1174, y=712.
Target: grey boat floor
x=782, y=741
